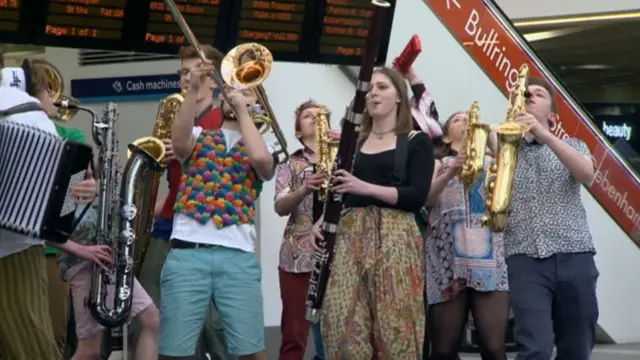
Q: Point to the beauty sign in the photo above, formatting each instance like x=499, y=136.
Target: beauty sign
x=493, y=42
x=622, y=131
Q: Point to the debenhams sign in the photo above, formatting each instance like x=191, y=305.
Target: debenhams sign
x=622, y=131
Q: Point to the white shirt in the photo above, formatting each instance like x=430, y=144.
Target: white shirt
x=242, y=237
x=11, y=243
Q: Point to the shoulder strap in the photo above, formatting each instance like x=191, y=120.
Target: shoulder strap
x=22, y=108
x=400, y=160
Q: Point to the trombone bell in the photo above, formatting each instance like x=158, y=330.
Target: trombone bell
x=66, y=110
x=246, y=65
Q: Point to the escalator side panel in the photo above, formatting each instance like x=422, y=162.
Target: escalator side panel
x=494, y=43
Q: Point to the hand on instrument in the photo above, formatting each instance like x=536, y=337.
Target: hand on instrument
x=333, y=134
x=199, y=73
x=238, y=101
x=538, y=131
x=411, y=75
x=97, y=254
x=85, y=191
x=345, y=183
x=312, y=183
x=316, y=230
x=168, y=155
x=454, y=166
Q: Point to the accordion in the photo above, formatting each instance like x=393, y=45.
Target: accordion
x=37, y=170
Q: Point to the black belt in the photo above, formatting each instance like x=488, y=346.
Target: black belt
x=180, y=244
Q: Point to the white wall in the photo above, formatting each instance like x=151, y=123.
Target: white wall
x=288, y=86
x=455, y=80
x=525, y=9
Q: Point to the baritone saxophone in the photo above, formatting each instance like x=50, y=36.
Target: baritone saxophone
x=500, y=175
x=167, y=111
x=474, y=147
x=327, y=150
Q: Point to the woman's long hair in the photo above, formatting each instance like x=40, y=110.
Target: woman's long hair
x=404, y=120
x=444, y=148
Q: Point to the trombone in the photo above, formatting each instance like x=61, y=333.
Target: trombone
x=56, y=86
x=246, y=66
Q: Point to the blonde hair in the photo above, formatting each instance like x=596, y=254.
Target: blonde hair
x=404, y=119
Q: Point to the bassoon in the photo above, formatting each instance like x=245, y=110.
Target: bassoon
x=349, y=135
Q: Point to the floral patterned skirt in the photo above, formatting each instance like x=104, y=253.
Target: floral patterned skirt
x=374, y=305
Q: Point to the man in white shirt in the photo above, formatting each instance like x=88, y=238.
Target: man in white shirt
x=213, y=235
x=25, y=325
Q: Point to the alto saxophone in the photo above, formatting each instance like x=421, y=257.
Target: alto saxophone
x=327, y=150
x=167, y=111
x=125, y=209
x=500, y=176
x=474, y=147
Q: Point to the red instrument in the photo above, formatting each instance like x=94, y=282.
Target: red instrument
x=406, y=58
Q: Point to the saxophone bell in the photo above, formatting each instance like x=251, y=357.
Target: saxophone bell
x=501, y=174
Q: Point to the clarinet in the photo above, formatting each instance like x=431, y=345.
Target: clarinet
x=349, y=136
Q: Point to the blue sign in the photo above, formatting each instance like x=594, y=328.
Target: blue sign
x=125, y=88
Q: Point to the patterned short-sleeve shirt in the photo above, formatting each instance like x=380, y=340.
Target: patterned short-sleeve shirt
x=547, y=215
x=297, y=251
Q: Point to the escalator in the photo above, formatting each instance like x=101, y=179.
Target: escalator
x=471, y=51
x=494, y=43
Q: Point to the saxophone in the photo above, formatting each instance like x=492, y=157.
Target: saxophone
x=500, y=175
x=167, y=111
x=474, y=147
x=327, y=150
x=123, y=212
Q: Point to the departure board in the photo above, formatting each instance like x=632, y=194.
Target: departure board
x=93, y=20
x=344, y=27
x=201, y=15
x=9, y=15
x=278, y=25
x=306, y=31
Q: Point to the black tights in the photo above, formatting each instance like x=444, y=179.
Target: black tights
x=446, y=324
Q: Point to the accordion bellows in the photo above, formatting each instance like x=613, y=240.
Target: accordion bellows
x=37, y=170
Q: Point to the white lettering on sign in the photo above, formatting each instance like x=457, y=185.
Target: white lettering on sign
x=490, y=44
x=454, y=2
x=617, y=131
x=163, y=84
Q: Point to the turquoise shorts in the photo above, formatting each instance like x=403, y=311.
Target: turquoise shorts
x=190, y=279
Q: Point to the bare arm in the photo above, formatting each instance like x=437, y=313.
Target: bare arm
x=288, y=203
x=257, y=151
x=182, y=132
x=438, y=183
x=159, y=206
x=579, y=164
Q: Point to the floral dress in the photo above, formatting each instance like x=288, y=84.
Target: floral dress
x=459, y=252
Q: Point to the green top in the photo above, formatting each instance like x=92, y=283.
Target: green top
x=73, y=135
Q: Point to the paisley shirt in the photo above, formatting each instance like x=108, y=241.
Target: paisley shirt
x=297, y=251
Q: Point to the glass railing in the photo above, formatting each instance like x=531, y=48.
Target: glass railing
x=471, y=22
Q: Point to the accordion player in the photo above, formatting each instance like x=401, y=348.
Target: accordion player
x=37, y=169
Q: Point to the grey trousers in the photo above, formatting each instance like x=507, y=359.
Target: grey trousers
x=212, y=338
x=554, y=303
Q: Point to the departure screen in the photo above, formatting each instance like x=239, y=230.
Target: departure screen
x=87, y=22
x=313, y=31
x=200, y=15
x=278, y=25
x=344, y=27
x=9, y=15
